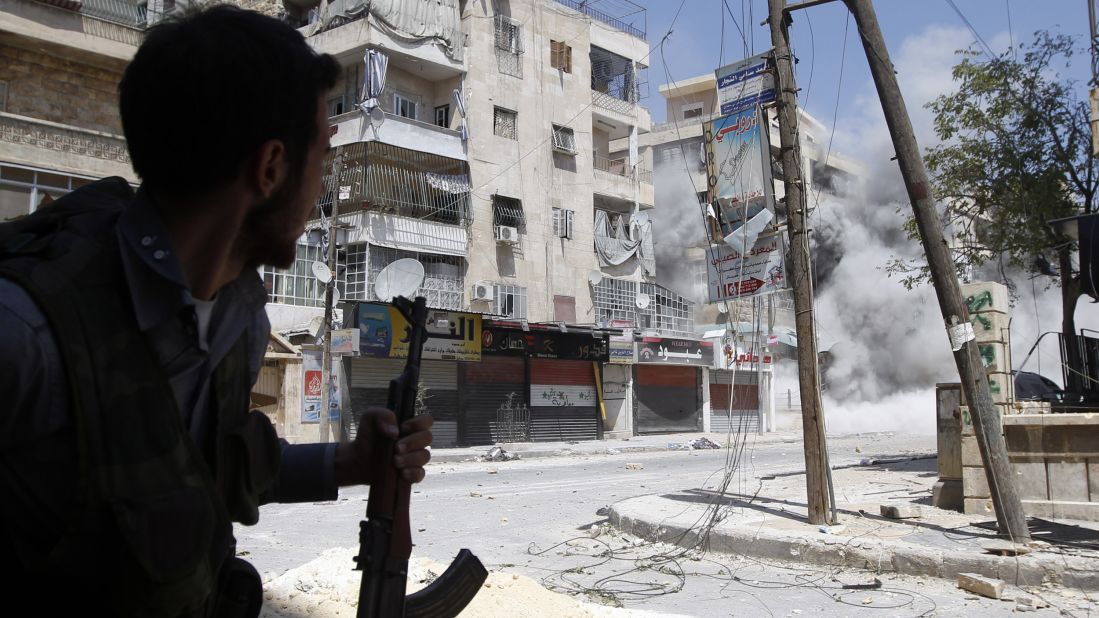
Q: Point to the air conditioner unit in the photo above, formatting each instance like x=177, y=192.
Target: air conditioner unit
x=482, y=291
x=507, y=234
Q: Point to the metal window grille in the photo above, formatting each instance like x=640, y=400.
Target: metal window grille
x=507, y=211
x=444, y=278
x=297, y=285
x=509, y=46
x=358, y=281
x=667, y=312
x=504, y=123
x=564, y=140
x=400, y=181
x=509, y=301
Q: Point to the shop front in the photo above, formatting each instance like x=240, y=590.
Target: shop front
x=667, y=384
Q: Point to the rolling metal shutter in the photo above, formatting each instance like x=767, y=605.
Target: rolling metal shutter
x=563, y=402
x=370, y=387
x=744, y=416
x=487, y=387
x=667, y=399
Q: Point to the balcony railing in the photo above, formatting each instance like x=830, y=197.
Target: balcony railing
x=618, y=24
x=621, y=167
x=606, y=101
x=116, y=11
x=21, y=130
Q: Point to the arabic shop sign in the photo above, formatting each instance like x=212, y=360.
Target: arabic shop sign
x=566, y=346
x=621, y=346
x=451, y=335
x=745, y=84
x=730, y=276
x=675, y=351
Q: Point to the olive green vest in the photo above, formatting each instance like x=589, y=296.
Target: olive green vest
x=153, y=523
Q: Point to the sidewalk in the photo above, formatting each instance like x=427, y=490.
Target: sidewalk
x=772, y=524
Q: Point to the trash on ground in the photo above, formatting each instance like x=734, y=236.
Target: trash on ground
x=497, y=453
x=979, y=584
x=474, y=494
x=700, y=443
x=901, y=511
x=1031, y=602
x=635, y=466
x=678, y=446
x=837, y=529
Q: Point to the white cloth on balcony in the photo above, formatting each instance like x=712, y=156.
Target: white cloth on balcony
x=438, y=21
x=615, y=246
x=375, y=64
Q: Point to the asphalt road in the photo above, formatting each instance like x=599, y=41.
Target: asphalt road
x=520, y=516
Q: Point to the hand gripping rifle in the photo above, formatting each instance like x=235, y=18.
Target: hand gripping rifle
x=385, y=538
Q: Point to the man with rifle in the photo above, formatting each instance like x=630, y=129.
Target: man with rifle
x=132, y=328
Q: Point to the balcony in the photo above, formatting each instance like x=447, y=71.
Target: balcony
x=402, y=132
x=634, y=27
x=616, y=181
x=111, y=28
x=51, y=145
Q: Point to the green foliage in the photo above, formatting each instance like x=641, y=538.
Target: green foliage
x=1015, y=153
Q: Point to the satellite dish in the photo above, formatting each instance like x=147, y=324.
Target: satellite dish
x=335, y=296
x=594, y=277
x=400, y=278
x=642, y=300
x=321, y=272
x=376, y=116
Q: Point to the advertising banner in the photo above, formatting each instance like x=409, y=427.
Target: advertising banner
x=621, y=346
x=738, y=163
x=312, y=387
x=451, y=335
x=730, y=276
x=345, y=341
x=745, y=84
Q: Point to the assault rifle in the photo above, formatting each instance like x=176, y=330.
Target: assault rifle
x=385, y=538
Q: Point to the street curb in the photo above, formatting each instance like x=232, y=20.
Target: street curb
x=867, y=554
x=452, y=457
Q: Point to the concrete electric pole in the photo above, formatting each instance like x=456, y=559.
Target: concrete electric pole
x=817, y=473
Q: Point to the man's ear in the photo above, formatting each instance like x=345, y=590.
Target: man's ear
x=268, y=169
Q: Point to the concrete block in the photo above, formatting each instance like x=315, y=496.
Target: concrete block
x=901, y=511
x=1030, y=479
x=996, y=357
x=918, y=561
x=1068, y=481
x=978, y=506
x=971, y=452
x=1093, y=480
x=947, y=494
x=1002, y=387
x=990, y=326
x=984, y=586
x=974, y=482
x=985, y=296
x=966, y=421
x=1031, y=407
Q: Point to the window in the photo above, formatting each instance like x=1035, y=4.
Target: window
x=404, y=106
x=442, y=116
x=503, y=123
x=24, y=190
x=509, y=46
x=349, y=93
x=564, y=309
x=563, y=140
x=297, y=285
x=507, y=211
x=692, y=110
x=509, y=301
x=562, y=222
x=561, y=56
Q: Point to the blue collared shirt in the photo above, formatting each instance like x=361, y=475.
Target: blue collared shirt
x=37, y=444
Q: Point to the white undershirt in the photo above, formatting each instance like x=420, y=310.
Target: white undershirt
x=203, y=310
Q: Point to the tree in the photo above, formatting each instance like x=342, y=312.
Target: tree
x=1015, y=153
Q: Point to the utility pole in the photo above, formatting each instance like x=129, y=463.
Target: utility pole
x=986, y=419
x=817, y=473
x=329, y=287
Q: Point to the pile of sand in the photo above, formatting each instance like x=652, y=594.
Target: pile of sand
x=328, y=587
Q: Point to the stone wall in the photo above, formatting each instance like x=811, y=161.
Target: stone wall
x=51, y=87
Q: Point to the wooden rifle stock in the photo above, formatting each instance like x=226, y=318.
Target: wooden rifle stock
x=385, y=537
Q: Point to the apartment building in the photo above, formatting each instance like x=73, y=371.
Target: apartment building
x=60, y=63
x=500, y=146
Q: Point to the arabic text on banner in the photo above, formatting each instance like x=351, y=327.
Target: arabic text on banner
x=451, y=335
x=738, y=163
x=730, y=276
